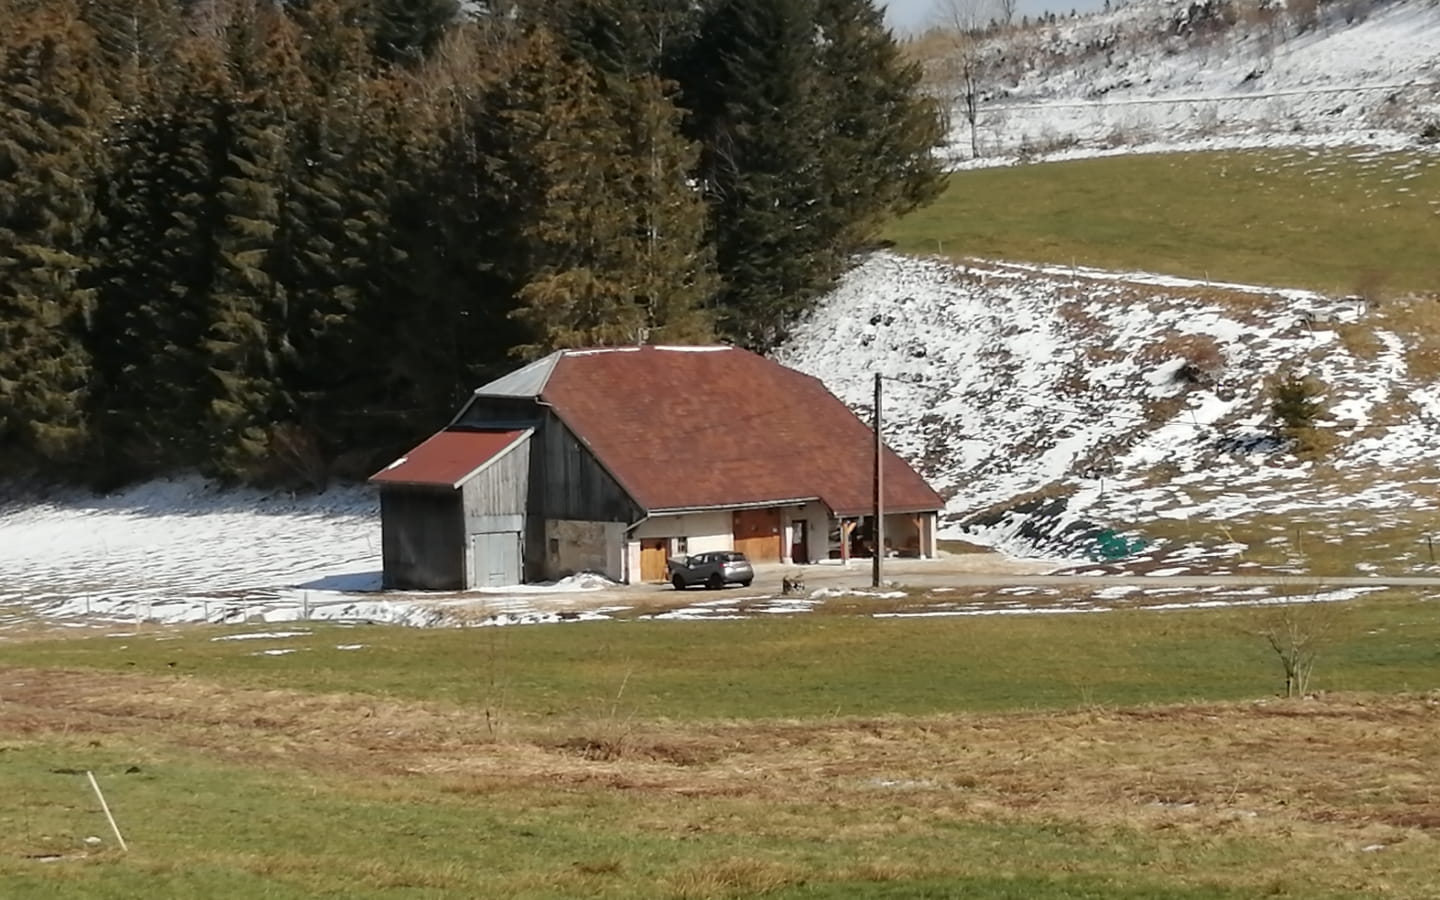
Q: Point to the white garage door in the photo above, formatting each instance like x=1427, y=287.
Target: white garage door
x=495, y=558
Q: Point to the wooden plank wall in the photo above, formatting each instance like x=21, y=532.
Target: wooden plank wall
x=575, y=486
x=422, y=531
x=500, y=491
x=495, y=502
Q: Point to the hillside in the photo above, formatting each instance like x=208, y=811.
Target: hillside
x=1157, y=74
x=1058, y=405
x=1139, y=402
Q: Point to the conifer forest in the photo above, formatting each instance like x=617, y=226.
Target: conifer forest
x=275, y=241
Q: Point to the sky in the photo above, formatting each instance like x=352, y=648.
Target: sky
x=908, y=15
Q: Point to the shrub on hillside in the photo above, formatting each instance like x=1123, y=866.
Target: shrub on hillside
x=1296, y=408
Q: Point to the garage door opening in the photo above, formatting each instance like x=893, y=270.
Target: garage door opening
x=758, y=534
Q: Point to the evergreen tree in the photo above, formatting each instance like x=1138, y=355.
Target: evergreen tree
x=599, y=237
x=883, y=131
x=674, y=280
x=378, y=387
x=247, y=335
x=157, y=265
x=137, y=40
x=628, y=37
x=405, y=32
x=452, y=226
x=553, y=152
x=1297, y=406
x=52, y=107
x=340, y=256
x=813, y=133
x=753, y=88
x=629, y=44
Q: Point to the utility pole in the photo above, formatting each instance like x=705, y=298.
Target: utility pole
x=879, y=553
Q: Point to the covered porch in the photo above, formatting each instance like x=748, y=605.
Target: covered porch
x=790, y=532
x=907, y=535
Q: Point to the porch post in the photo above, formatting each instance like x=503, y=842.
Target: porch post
x=846, y=526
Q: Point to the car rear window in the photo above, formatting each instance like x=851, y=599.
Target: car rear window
x=731, y=557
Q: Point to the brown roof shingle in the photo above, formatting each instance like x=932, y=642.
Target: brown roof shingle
x=685, y=428
x=449, y=458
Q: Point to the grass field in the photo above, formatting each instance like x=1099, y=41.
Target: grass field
x=1132, y=754
x=1338, y=221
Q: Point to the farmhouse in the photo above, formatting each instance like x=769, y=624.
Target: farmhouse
x=611, y=460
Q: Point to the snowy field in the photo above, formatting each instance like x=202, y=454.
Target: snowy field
x=1002, y=380
x=1123, y=81
x=183, y=551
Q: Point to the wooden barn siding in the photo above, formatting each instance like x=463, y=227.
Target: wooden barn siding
x=495, y=500
x=535, y=546
x=500, y=490
x=564, y=480
x=422, y=531
x=575, y=486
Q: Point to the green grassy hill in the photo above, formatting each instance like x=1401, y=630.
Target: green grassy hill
x=1340, y=222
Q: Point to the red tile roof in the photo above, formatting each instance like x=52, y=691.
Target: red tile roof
x=449, y=458
x=693, y=428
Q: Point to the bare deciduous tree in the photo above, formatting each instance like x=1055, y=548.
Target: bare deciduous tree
x=960, y=66
x=1296, y=632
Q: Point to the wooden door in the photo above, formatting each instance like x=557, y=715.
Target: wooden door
x=495, y=559
x=653, y=554
x=758, y=534
x=799, y=542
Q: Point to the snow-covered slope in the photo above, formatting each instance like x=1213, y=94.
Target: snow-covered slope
x=188, y=551
x=1159, y=72
x=1125, y=401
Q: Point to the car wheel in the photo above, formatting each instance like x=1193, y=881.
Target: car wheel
x=715, y=582
x=679, y=583
x=746, y=582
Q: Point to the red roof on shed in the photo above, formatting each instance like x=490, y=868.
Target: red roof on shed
x=685, y=428
x=449, y=458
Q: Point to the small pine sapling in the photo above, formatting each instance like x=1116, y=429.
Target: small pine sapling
x=1296, y=408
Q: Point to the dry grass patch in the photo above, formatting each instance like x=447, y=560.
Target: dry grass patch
x=1319, y=542
x=1418, y=319
x=731, y=877
x=1204, y=360
x=1075, y=313
x=957, y=546
x=1359, y=339
x=1246, y=307
x=1194, y=796
x=1352, y=761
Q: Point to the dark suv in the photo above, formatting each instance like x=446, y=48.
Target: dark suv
x=714, y=570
